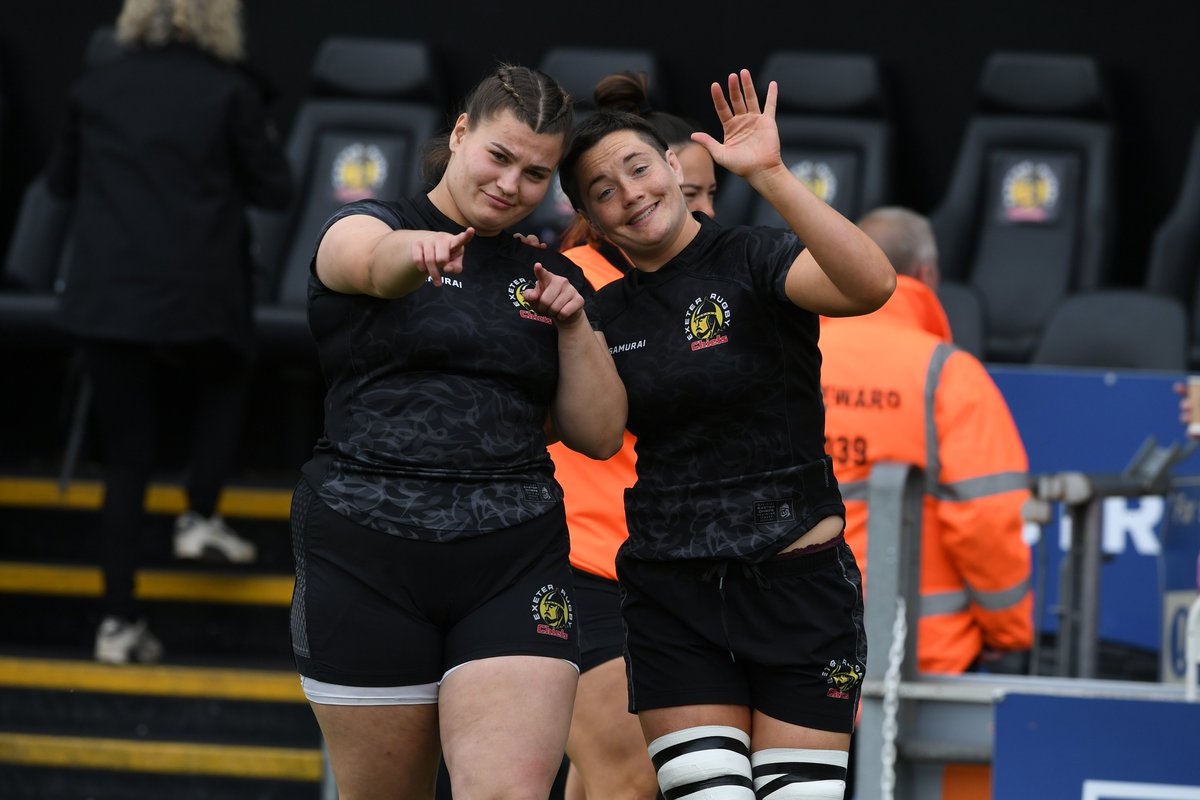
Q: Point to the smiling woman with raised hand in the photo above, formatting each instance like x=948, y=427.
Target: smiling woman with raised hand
x=742, y=603
x=432, y=583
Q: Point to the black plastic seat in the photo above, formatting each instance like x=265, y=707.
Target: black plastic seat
x=1027, y=218
x=835, y=134
x=965, y=312
x=1174, y=261
x=372, y=106
x=1116, y=329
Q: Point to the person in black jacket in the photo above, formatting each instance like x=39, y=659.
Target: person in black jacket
x=163, y=149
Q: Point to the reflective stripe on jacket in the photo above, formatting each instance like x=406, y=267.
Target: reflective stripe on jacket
x=895, y=390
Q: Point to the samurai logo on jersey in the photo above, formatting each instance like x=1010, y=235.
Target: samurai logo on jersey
x=359, y=171
x=706, y=320
x=516, y=293
x=552, y=611
x=842, y=678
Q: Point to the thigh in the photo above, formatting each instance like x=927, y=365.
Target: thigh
x=382, y=752
x=677, y=647
x=800, y=637
x=504, y=725
x=605, y=744
x=123, y=398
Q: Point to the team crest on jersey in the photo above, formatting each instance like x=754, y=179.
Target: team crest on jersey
x=1030, y=192
x=842, y=678
x=818, y=177
x=706, y=322
x=359, y=171
x=516, y=294
x=552, y=612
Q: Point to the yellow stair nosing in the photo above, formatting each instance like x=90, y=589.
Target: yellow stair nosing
x=149, y=584
x=222, y=683
x=240, y=761
x=161, y=498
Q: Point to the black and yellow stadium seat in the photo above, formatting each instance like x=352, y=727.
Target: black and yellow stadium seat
x=1027, y=218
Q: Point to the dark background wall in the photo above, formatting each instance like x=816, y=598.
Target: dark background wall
x=931, y=52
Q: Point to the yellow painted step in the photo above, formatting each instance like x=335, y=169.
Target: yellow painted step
x=220, y=683
x=161, y=498
x=281, y=763
x=149, y=584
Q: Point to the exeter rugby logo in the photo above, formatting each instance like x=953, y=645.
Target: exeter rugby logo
x=818, y=177
x=842, y=678
x=516, y=295
x=359, y=172
x=706, y=321
x=1030, y=192
x=552, y=611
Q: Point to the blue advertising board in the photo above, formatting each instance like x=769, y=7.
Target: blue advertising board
x=1094, y=421
x=1090, y=748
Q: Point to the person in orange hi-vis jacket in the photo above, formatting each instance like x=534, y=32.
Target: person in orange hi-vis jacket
x=896, y=389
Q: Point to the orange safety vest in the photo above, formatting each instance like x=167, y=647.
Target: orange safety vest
x=594, y=491
x=895, y=389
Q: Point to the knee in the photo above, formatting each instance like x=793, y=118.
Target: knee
x=701, y=758
x=799, y=774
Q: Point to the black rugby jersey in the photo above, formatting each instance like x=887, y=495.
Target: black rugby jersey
x=436, y=401
x=722, y=373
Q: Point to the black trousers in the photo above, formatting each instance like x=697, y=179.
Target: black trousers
x=132, y=384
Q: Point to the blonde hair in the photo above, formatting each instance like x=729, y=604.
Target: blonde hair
x=214, y=26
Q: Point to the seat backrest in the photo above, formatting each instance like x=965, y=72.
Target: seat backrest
x=964, y=310
x=1115, y=329
x=1174, y=263
x=1027, y=218
x=372, y=105
x=578, y=70
x=835, y=134
x=36, y=255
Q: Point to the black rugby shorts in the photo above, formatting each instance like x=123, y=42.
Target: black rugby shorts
x=598, y=606
x=784, y=636
x=372, y=609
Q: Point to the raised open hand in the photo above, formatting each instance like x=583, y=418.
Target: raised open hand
x=751, y=137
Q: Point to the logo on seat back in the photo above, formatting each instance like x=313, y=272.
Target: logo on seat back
x=1029, y=192
x=819, y=177
x=359, y=171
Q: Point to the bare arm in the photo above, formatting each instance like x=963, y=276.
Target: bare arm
x=589, y=409
x=841, y=272
x=361, y=254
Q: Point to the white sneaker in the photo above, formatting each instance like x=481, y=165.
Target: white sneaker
x=119, y=642
x=210, y=540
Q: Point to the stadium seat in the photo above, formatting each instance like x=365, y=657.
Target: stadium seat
x=578, y=70
x=835, y=132
x=1115, y=329
x=1027, y=218
x=1174, y=261
x=964, y=310
x=372, y=105
x=34, y=266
